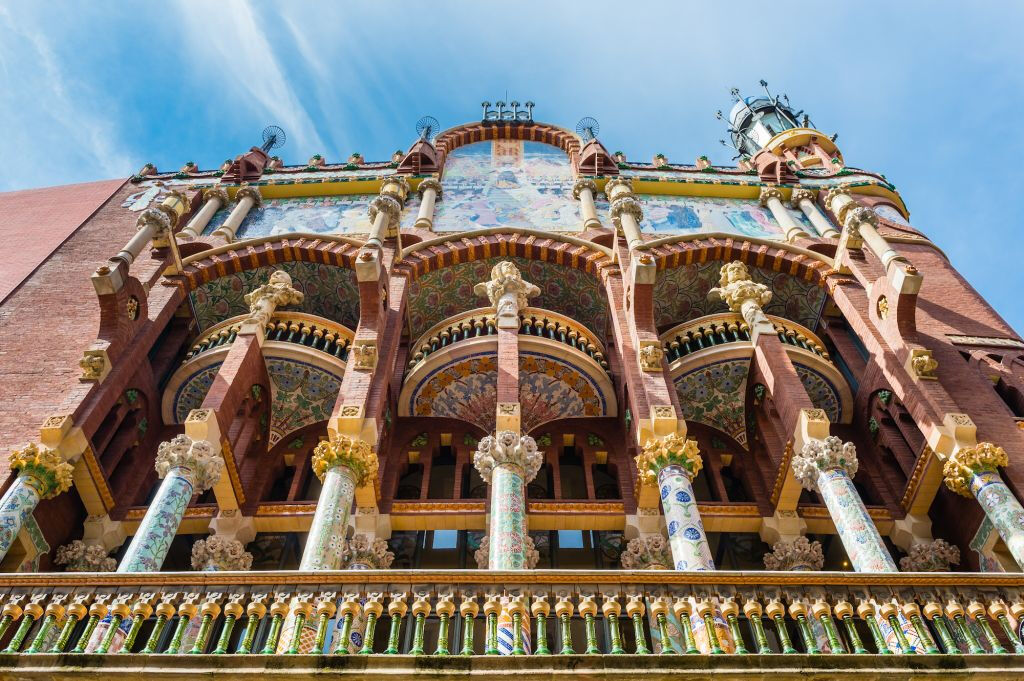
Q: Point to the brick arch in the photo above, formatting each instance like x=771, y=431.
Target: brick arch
x=247, y=255
x=462, y=135
x=435, y=256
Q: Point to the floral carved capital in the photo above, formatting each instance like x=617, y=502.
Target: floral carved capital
x=429, y=183
x=647, y=553
x=44, y=469
x=824, y=455
x=197, y=457
x=962, y=466
x=583, y=183
x=673, y=450
x=799, y=554
x=354, y=454
x=364, y=553
x=933, y=556
x=81, y=557
x=217, y=553
x=483, y=554
x=507, y=448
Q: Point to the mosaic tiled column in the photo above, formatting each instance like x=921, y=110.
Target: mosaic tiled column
x=972, y=471
x=363, y=553
x=42, y=474
x=342, y=465
x=483, y=554
x=509, y=463
x=188, y=467
x=828, y=466
x=647, y=553
x=799, y=555
x=673, y=462
x=216, y=553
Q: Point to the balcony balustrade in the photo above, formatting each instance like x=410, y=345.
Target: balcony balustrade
x=285, y=327
x=721, y=329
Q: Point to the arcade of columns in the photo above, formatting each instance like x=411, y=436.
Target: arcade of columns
x=508, y=460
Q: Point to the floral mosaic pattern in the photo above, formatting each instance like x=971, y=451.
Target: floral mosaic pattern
x=822, y=392
x=686, y=536
x=856, y=530
x=302, y=394
x=507, y=183
x=680, y=294
x=16, y=506
x=508, y=521
x=714, y=395
x=437, y=295
x=153, y=539
x=343, y=214
x=698, y=214
x=325, y=545
x=330, y=292
x=549, y=389
x=1002, y=509
x=192, y=391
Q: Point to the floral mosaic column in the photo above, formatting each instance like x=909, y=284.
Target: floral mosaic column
x=188, y=467
x=971, y=471
x=363, y=553
x=216, y=553
x=342, y=465
x=509, y=463
x=828, y=466
x=42, y=474
x=673, y=462
x=483, y=554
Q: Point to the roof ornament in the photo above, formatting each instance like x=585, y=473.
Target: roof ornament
x=427, y=128
x=273, y=138
x=588, y=128
x=507, y=112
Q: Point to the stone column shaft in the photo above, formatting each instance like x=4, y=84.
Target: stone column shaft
x=860, y=221
x=215, y=199
x=772, y=198
x=804, y=199
x=584, y=189
x=325, y=544
x=247, y=198
x=429, y=191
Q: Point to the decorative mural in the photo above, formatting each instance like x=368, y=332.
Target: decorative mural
x=342, y=214
x=714, y=395
x=439, y=294
x=330, y=292
x=301, y=394
x=680, y=294
x=507, y=183
x=697, y=214
x=466, y=389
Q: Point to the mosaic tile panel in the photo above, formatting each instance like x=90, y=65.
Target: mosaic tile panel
x=714, y=395
x=549, y=389
x=681, y=294
x=665, y=215
x=822, y=392
x=343, y=214
x=507, y=183
x=330, y=292
x=437, y=295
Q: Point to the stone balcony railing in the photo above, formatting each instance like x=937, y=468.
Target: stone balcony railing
x=533, y=322
x=605, y=623
x=721, y=329
x=286, y=327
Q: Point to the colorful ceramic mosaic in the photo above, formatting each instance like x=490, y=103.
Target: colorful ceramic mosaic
x=152, y=540
x=16, y=506
x=507, y=183
x=821, y=391
x=330, y=292
x=1003, y=509
x=863, y=544
x=466, y=389
x=680, y=294
x=686, y=535
x=508, y=520
x=666, y=215
x=193, y=390
x=325, y=544
x=714, y=395
x=301, y=394
x=342, y=214
x=439, y=294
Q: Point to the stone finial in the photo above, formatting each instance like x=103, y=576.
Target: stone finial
x=216, y=553
x=507, y=448
x=647, y=553
x=823, y=455
x=673, y=450
x=737, y=290
x=363, y=553
x=933, y=556
x=960, y=468
x=44, y=469
x=81, y=557
x=263, y=301
x=799, y=554
x=352, y=453
x=482, y=554
x=196, y=457
x=583, y=183
x=508, y=292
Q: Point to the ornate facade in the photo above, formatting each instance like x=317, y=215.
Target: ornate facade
x=510, y=394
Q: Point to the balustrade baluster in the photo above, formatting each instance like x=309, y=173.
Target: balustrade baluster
x=29, y=616
x=866, y=611
x=636, y=609
x=730, y=611
x=492, y=606
x=468, y=608
x=777, y=613
x=420, y=610
x=255, y=611
x=798, y=611
x=752, y=609
x=682, y=610
x=54, y=611
x=611, y=610
x=232, y=611
x=445, y=609
x=913, y=613
x=541, y=609
x=564, y=610
x=999, y=611
x=977, y=611
x=97, y=611
x=302, y=608
x=823, y=613
x=396, y=611
x=844, y=611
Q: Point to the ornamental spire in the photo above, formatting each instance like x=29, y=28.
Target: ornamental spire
x=508, y=293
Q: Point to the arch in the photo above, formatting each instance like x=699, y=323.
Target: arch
x=461, y=135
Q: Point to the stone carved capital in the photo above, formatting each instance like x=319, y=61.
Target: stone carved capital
x=768, y=193
x=618, y=186
x=650, y=357
x=647, y=553
x=823, y=455
x=672, y=450
x=216, y=553
x=197, y=457
x=965, y=463
x=507, y=448
x=799, y=554
x=216, y=194
x=385, y=204
x=741, y=293
x=250, y=193
x=801, y=195
x=583, y=183
x=352, y=453
x=625, y=205
x=835, y=193
x=44, y=470
x=483, y=559
x=81, y=557
x=508, y=292
x=263, y=301
x=157, y=220
x=363, y=553
x=933, y=556
x=430, y=183
x=854, y=217
x=395, y=186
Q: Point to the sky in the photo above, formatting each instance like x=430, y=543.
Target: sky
x=928, y=93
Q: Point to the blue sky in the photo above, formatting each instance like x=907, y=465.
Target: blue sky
x=929, y=93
